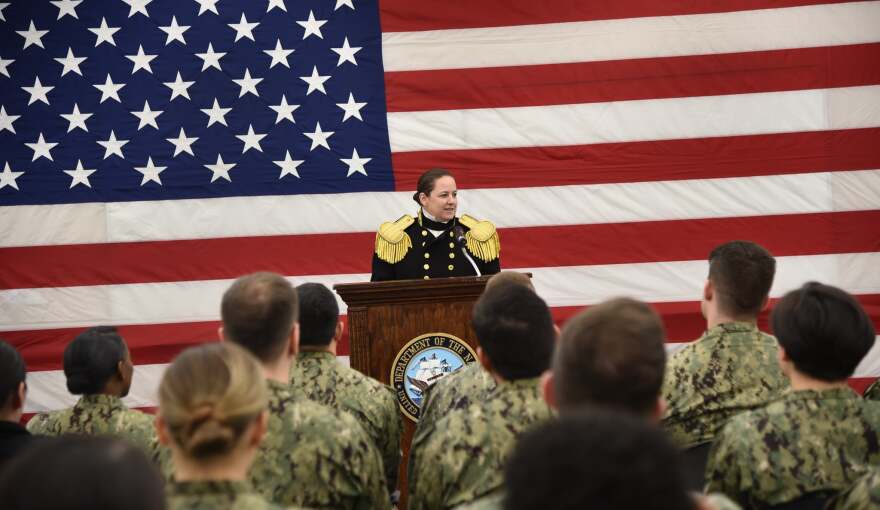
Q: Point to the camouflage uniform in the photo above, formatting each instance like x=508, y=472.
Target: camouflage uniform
x=730, y=369
x=104, y=415
x=490, y=502
x=872, y=392
x=320, y=377
x=455, y=391
x=316, y=456
x=216, y=495
x=463, y=458
x=807, y=441
x=864, y=495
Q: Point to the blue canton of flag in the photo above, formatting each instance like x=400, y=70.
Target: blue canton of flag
x=124, y=100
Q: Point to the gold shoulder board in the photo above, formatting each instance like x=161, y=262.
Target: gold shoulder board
x=482, y=238
x=392, y=242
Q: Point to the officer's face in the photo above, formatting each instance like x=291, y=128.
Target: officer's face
x=443, y=200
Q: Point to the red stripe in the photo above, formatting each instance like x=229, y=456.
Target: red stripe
x=623, y=80
x=684, y=322
x=418, y=15
x=860, y=384
x=149, y=343
x=614, y=243
x=699, y=158
x=662, y=241
x=159, y=343
x=185, y=260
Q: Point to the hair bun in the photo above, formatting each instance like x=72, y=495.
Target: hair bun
x=206, y=435
x=210, y=437
x=80, y=383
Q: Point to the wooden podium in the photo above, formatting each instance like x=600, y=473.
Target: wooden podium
x=384, y=316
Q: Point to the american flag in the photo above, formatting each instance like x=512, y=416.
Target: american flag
x=153, y=150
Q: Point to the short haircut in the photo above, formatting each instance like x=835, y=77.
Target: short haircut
x=259, y=311
x=209, y=396
x=596, y=460
x=510, y=277
x=611, y=355
x=92, y=359
x=318, y=314
x=515, y=331
x=824, y=331
x=81, y=472
x=12, y=372
x=742, y=273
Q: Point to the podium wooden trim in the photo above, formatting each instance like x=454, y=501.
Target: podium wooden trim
x=384, y=316
x=364, y=298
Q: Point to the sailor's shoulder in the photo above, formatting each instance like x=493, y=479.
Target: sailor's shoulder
x=482, y=238
x=392, y=239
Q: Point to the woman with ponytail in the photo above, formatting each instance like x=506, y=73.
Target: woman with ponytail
x=212, y=416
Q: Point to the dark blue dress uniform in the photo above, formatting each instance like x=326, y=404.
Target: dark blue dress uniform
x=406, y=249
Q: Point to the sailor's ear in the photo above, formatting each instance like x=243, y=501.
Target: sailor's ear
x=547, y=389
x=485, y=362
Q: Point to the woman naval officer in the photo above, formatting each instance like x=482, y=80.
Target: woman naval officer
x=436, y=243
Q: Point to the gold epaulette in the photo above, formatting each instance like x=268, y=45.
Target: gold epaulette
x=482, y=238
x=392, y=242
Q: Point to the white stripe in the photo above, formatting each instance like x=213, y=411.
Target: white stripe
x=139, y=303
x=638, y=120
x=198, y=218
x=162, y=303
x=677, y=200
x=663, y=282
x=869, y=366
x=66, y=224
x=47, y=389
x=507, y=207
x=661, y=36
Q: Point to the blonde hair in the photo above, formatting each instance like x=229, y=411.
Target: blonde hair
x=208, y=397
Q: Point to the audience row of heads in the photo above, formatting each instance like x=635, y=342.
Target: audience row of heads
x=612, y=356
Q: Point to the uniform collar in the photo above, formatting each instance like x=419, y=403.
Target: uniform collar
x=278, y=389
x=203, y=487
x=733, y=327
x=518, y=385
x=430, y=224
x=839, y=393
x=315, y=355
x=101, y=400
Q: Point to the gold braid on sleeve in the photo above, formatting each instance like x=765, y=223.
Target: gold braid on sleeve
x=482, y=238
x=392, y=242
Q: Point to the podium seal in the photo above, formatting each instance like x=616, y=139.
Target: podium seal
x=423, y=361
